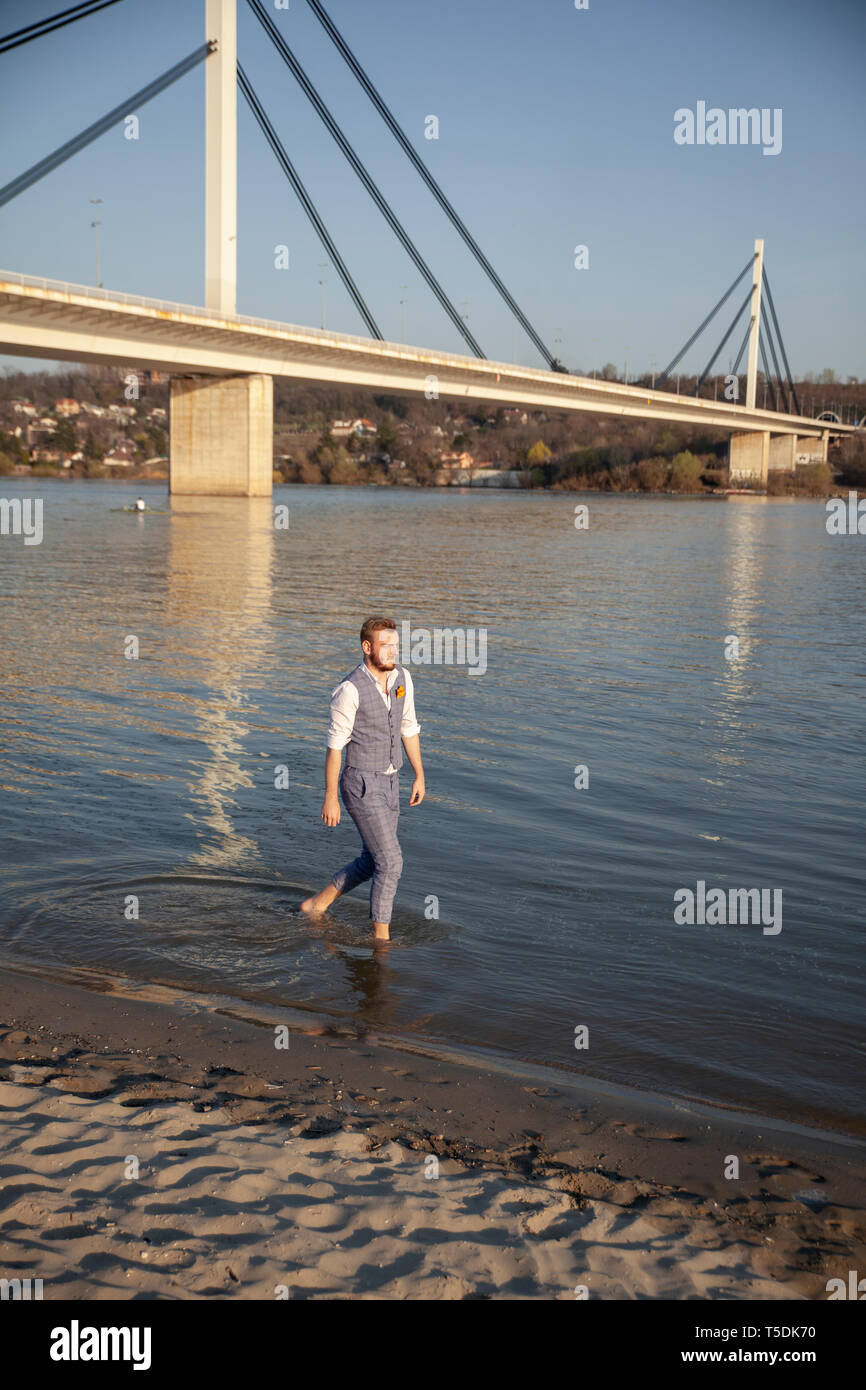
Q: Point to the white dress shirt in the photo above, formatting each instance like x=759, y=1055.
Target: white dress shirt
x=344, y=706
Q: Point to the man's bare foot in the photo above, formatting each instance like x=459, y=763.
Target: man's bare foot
x=381, y=931
x=320, y=901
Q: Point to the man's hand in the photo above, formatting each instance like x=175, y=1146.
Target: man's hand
x=331, y=810
x=418, y=790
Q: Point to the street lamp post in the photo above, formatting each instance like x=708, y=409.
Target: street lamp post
x=96, y=226
x=323, y=265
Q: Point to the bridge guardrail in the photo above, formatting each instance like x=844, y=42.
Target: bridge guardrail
x=249, y=320
x=122, y=297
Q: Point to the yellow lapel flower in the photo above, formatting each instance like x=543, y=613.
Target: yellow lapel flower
x=400, y=692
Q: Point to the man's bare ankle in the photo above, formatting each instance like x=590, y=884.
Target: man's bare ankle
x=321, y=900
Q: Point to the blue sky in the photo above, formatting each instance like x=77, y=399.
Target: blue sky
x=556, y=129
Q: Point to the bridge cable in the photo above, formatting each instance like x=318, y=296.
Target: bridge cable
x=85, y=137
x=399, y=134
x=746, y=268
x=767, y=376
x=782, y=389
x=709, y=367
x=735, y=370
x=52, y=22
x=396, y=226
x=786, y=386
x=307, y=203
x=781, y=342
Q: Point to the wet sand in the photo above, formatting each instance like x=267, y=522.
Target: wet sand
x=159, y=1151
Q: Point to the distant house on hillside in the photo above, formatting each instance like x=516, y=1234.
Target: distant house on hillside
x=364, y=429
x=67, y=406
x=464, y=460
x=24, y=408
x=121, y=456
x=34, y=433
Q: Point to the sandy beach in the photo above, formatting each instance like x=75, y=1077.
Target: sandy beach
x=158, y=1152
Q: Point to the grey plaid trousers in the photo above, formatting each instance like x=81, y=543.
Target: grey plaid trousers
x=373, y=801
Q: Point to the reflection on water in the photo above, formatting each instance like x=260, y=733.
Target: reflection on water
x=220, y=622
x=157, y=781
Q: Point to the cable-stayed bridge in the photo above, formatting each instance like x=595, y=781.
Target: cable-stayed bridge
x=222, y=363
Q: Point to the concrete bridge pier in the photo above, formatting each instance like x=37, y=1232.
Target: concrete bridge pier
x=752, y=456
x=221, y=436
x=788, y=451
x=783, y=453
x=749, y=457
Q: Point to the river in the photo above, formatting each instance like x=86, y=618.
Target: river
x=535, y=919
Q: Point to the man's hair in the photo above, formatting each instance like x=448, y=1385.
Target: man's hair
x=375, y=625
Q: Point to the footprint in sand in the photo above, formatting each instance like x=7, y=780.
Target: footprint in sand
x=639, y=1131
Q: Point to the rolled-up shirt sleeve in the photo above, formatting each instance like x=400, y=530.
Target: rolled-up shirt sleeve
x=344, y=707
x=409, y=724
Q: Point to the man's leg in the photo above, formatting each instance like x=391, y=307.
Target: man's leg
x=375, y=814
x=344, y=880
x=379, y=832
x=358, y=871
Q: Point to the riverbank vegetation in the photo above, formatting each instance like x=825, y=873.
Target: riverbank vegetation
x=101, y=423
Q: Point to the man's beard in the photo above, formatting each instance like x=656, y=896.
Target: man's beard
x=374, y=661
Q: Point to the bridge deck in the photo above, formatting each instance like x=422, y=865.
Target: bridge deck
x=52, y=319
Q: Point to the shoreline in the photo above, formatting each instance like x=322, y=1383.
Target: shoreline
x=581, y=1155
x=313, y=1021
x=835, y=490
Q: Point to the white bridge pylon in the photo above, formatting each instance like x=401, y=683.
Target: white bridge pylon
x=221, y=158
x=755, y=325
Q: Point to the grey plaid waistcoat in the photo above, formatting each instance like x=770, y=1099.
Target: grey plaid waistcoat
x=375, y=743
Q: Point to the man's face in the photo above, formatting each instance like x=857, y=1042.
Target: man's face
x=384, y=649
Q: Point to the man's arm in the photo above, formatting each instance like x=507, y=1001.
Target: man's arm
x=410, y=730
x=344, y=707
x=331, y=805
x=412, y=744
